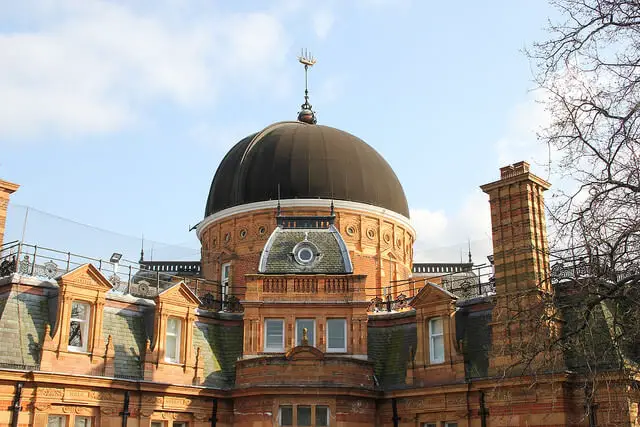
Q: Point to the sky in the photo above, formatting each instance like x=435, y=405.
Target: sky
x=116, y=114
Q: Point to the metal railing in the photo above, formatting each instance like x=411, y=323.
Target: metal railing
x=127, y=277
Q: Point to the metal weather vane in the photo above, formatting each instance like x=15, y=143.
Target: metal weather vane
x=306, y=114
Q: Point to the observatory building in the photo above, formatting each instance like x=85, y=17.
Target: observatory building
x=305, y=309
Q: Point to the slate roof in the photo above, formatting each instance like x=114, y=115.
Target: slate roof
x=127, y=330
x=389, y=347
x=472, y=328
x=220, y=346
x=332, y=255
x=22, y=322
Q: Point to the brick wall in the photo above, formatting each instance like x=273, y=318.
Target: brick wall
x=380, y=248
x=6, y=189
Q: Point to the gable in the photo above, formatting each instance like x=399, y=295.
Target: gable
x=180, y=295
x=87, y=277
x=431, y=294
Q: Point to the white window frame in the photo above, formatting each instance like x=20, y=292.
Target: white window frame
x=432, y=341
x=182, y=423
x=178, y=343
x=62, y=418
x=312, y=342
x=293, y=410
x=341, y=349
x=225, y=273
x=86, y=424
x=315, y=414
x=429, y=424
x=273, y=349
x=84, y=327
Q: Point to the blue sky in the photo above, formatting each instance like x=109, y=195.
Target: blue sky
x=117, y=113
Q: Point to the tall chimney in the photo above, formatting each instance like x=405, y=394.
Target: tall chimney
x=6, y=189
x=521, y=259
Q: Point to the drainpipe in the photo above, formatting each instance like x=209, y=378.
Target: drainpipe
x=394, y=406
x=125, y=410
x=16, y=407
x=214, y=413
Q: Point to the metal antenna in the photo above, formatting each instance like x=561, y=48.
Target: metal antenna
x=306, y=113
x=142, y=249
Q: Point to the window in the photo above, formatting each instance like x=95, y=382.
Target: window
x=285, y=416
x=336, y=335
x=310, y=325
x=429, y=425
x=322, y=416
x=56, y=421
x=157, y=424
x=225, y=272
x=274, y=335
x=448, y=424
x=82, y=422
x=172, y=348
x=79, y=326
x=304, y=416
x=179, y=424
x=436, y=341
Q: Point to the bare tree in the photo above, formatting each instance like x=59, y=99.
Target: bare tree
x=589, y=70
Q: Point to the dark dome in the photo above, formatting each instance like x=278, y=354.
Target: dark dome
x=308, y=162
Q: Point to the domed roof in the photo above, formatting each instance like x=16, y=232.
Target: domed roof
x=307, y=161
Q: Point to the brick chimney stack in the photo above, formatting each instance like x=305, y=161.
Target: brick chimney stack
x=6, y=189
x=521, y=256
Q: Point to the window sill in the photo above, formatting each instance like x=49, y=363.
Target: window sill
x=172, y=362
x=78, y=351
x=273, y=351
x=338, y=351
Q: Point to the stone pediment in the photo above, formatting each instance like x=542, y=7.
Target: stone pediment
x=179, y=295
x=431, y=294
x=86, y=276
x=304, y=352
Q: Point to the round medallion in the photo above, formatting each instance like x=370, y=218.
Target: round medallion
x=227, y=237
x=351, y=230
x=243, y=233
x=262, y=230
x=214, y=242
x=371, y=233
x=386, y=237
x=399, y=243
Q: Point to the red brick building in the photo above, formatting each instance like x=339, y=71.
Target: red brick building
x=306, y=309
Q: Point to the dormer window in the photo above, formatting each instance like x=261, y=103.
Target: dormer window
x=172, y=345
x=79, y=326
x=436, y=341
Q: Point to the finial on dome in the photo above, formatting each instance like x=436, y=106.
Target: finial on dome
x=306, y=114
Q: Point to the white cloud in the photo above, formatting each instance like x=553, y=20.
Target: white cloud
x=520, y=140
x=91, y=66
x=322, y=22
x=443, y=237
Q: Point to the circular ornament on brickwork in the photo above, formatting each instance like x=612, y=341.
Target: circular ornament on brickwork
x=351, y=230
x=262, y=230
x=399, y=243
x=227, y=237
x=371, y=233
x=143, y=287
x=243, y=233
x=214, y=242
x=386, y=237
